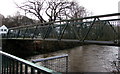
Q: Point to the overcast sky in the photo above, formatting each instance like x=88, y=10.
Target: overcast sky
x=98, y=7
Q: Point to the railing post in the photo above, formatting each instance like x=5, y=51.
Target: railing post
x=13, y=67
x=21, y=68
x=7, y=65
x=17, y=67
x=26, y=69
x=67, y=66
x=32, y=71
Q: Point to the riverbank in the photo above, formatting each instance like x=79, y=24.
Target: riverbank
x=25, y=48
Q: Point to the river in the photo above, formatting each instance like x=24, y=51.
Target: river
x=87, y=58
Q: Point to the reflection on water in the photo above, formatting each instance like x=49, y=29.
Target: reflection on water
x=88, y=58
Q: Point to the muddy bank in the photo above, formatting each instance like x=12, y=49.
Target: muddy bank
x=25, y=48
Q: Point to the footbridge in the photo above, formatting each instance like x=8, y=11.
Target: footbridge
x=102, y=29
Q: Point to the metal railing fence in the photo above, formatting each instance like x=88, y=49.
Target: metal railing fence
x=14, y=65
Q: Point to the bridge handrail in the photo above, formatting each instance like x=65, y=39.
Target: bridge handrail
x=41, y=68
x=49, y=58
x=98, y=16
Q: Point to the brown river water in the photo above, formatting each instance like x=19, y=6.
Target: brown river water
x=87, y=58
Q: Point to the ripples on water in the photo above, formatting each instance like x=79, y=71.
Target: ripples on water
x=88, y=58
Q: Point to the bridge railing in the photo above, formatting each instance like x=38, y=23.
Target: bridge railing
x=57, y=63
x=14, y=65
x=96, y=28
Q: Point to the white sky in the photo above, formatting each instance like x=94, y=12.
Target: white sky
x=7, y=7
x=98, y=7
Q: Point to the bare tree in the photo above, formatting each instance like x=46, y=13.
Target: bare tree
x=75, y=11
x=34, y=7
x=53, y=9
x=63, y=9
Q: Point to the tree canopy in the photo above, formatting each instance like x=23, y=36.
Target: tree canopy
x=52, y=10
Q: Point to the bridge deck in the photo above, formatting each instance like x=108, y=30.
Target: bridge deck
x=113, y=43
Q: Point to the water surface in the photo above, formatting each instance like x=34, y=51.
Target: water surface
x=87, y=58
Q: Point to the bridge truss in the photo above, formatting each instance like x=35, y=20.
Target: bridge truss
x=102, y=29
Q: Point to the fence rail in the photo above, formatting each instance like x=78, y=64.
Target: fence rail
x=14, y=65
x=57, y=63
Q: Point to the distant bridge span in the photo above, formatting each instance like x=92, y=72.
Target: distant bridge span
x=102, y=29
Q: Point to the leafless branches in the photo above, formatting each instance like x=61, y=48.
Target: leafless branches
x=53, y=9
